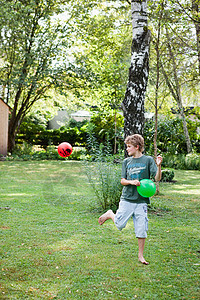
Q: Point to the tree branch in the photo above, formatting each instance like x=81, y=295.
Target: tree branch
x=182, y=7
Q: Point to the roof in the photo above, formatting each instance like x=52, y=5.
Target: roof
x=5, y=103
x=81, y=113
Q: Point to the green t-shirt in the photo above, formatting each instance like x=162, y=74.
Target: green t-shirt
x=137, y=168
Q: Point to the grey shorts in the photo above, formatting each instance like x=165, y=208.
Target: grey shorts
x=138, y=211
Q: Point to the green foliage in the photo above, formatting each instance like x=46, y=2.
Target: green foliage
x=101, y=150
x=78, y=153
x=99, y=73
x=31, y=49
x=27, y=152
x=94, y=149
x=192, y=161
x=36, y=134
x=181, y=161
x=104, y=178
x=98, y=138
x=103, y=175
x=167, y=175
x=104, y=129
x=79, y=124
x=101, y=127
x=171, y=139
x=35, y=53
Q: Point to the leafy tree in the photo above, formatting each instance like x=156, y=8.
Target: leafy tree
x=171, y=139
x=97, y=74
x=85, y=53
x=191, y=9
x=178, y=58
x=175, y=88
x=196, y=20
x=30, y=44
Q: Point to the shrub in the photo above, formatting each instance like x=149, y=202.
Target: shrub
x=98, y=151
x=103, y=174
x=78, y=153
x=23, y=149
x=102, y=126
x=104, y=178
x=171, y=139
x=167, y=175
x=35, y=134
x=181, y=161
x=27, y=152
x=192, y=161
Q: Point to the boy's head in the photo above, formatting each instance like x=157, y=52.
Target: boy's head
x=135, y=139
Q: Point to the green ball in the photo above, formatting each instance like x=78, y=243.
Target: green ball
x=147, y=188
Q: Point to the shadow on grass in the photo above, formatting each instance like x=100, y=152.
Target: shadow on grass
x=159, y=211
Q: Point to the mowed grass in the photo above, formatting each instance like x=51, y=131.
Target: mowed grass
x=52, y=246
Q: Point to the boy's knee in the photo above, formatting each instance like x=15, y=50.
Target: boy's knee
x=119, y=222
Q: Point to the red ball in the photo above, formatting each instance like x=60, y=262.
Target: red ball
x=64, y=149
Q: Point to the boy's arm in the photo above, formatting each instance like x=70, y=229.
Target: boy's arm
x=124, y=181
x=159, y=173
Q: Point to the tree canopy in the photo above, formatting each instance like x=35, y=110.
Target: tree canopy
x=82, y=49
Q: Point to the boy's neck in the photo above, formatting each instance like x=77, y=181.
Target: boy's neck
x=138, y=154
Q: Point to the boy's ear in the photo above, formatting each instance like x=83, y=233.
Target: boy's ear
x=137, y=147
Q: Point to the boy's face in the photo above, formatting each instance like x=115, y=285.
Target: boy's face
x=132, y=150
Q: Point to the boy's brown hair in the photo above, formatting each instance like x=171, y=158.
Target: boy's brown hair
x=135, y=139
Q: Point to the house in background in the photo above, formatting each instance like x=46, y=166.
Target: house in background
x=81, y=115
x=4, y=113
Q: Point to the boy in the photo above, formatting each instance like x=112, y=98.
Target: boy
x=134, y=168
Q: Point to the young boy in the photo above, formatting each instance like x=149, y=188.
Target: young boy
x=134, y=168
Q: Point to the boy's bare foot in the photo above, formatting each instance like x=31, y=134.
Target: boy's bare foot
x=143, y=261
x=108, y=215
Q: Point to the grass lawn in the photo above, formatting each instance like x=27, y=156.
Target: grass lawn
x=52, y=246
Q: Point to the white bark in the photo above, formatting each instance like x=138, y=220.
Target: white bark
x=133, y=103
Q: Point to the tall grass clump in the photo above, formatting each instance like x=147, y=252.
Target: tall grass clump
x=104, y=178
x=103, y=174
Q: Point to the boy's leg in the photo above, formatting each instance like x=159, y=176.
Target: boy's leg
x=141, y=226
x=108, y=215
x=141, y=242
x=122, y=215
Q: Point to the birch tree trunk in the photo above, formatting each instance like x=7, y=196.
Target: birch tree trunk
x=133, y=103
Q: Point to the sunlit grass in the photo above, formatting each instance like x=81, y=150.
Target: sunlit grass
x=52, y=246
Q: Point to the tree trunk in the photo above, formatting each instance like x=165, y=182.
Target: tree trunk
x=185, y=129
x=12, y=131
x=115, y=145
x=196, y=12
x=156, y=103
x=133, y=103
x=11, y=141
x=176, y=92
x=157, y=47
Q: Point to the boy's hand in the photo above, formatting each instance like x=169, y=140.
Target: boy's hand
x=159, y=160
x=135, y=182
